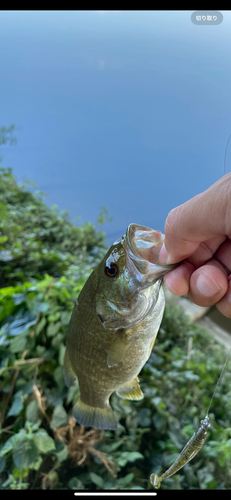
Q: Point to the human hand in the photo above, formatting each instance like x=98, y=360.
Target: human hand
x=198, y=233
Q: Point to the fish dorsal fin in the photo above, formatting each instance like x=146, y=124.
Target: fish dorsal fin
x=117, y=350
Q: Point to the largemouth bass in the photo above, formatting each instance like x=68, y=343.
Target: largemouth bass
x=114, y=325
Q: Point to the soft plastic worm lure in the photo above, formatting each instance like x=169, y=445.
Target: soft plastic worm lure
x=192, y=447
x=189, y=451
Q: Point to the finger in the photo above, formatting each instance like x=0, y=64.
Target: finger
x=223, y=255
x=206, y=250
x=208, y=284
x=177, y=281
x=224, y=305
x=199, y=219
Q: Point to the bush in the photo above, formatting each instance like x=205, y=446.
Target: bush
x=41, y=444
x=44, y=262
x=36, y=240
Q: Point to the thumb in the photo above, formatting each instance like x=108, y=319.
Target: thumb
x=206, y=215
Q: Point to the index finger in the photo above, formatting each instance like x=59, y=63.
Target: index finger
x=204, y=216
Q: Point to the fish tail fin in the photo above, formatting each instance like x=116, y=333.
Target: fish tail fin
x=89, y=416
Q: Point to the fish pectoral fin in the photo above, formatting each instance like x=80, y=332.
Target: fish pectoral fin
x=68, y=372
x=131, y=390
x=89, y=416
x=117, y=351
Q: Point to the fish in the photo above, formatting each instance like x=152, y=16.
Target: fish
x=114, y=324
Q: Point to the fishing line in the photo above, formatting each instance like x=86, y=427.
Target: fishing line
x=221, y=374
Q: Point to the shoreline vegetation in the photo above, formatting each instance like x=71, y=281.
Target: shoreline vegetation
x=44, y=261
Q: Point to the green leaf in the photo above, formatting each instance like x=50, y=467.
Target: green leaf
x=134, y=455
x=157, y=400
x=59, y=417
x=52, y=318
x=42, y=307
x=24, y=453
x=37, y=463
x=54, y=478
x=43, y=441
x=3, y=335
x=61, y=451
x=65, y=318
x=17, y=404
x=39, y=327
x=58, y=376
x=32, y=411
x=53, y=328
x=98, y=480
x=8, y=445
x=18, y=473
x=128, y=456
x=28, y=388
x=19, y=298
x=159, y=420
x=2, y=464
x=178, y=363
x=3, y=239
x=18, y=344
x=6, y=255
x=57, y=340
x=21, y=325
x=144, y=417
x=190, y=375
x=62, y=349
x=72, y=394
x=75, y=484
x=124, y=481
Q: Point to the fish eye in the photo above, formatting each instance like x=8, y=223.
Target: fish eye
x=111, y=271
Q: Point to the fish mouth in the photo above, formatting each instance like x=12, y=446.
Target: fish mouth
x=145, y=243
x=143, y=246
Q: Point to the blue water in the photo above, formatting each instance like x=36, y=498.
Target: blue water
x=127, y=109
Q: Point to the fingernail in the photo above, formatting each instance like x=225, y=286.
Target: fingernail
x=164, y=257
x=206, y=285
